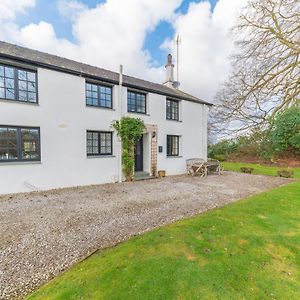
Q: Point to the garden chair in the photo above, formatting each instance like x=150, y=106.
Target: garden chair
x=213, y=165
x=195, y=167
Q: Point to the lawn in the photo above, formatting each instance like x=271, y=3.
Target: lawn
x=258, y=169
x=248, y=249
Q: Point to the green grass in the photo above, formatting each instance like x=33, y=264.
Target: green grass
x=247, y=250
x=258, y=169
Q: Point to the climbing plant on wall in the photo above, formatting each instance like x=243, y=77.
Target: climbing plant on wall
x=130, y=130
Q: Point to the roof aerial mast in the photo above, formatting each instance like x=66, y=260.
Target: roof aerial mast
x=178, y=42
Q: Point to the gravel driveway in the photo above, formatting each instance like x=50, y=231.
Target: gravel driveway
x=42, y=234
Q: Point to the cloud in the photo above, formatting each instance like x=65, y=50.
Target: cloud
x=206, y=45
x=114, y=32
x=70, y=9
x=9, y=8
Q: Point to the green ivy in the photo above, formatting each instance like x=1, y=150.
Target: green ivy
x=130, y=130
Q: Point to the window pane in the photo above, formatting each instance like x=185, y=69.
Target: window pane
x=22, y=85
x=31, y=76
x=9, y=72
x=9, y=83
x=31, y=87
x=30, y=143
x=22, y=95
x=31, y=97
x=8, y=143
x=10, y=94
x=22, y=75
x=88, y=94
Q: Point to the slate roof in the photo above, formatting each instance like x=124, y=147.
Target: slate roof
x=50, y=61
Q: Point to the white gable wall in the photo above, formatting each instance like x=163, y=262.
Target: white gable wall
x=63, y=119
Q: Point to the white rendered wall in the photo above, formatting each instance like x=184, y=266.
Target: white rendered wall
x=63, y=119
x=192, y=128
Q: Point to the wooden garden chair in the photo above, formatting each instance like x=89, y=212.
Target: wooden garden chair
x=213, y=165
x=195, y=167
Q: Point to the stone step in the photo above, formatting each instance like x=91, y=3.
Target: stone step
x=142, y=176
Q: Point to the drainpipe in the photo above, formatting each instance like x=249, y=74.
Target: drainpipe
x=120, y=110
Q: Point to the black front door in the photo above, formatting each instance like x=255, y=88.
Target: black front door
x=138, y=155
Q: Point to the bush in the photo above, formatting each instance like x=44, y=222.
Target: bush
x=247, y=170
x=221, y=150
x=285, y=173
x=220, y=157
x=285, y=134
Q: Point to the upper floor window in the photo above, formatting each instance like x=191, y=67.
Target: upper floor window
x=136, y=102
x=18, y=84
x=172, y=110
x=98, y=143
x=98, y=95
x=172, y=145
x=19, y=144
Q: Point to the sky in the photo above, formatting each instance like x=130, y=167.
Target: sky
x=136, y=33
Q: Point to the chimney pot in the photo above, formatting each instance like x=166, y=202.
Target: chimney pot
x=169, y=72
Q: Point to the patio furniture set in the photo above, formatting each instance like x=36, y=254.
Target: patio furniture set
x=201, y=167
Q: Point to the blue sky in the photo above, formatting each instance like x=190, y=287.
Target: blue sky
x=46, y=10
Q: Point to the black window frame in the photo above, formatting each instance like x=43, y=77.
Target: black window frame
x=172, y=113
x=99, y=153
x=170, y=145
x=135, y=100
x=19, y=144
x=16, y=84
x=99, y=93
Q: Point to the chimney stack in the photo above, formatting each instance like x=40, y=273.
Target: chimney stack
x=170, y=74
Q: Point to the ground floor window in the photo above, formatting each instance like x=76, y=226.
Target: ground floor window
x=19, y=144
x=98, y=143
x=172, y=145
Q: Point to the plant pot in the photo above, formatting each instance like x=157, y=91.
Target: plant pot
x=162, y=173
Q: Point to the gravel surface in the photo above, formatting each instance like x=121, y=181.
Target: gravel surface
x=43, y=233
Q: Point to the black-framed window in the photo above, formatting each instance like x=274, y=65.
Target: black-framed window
x=19, y=144
x=136, y=102
x=172, y=110
x=18, y=84
x=99, y=143
x=172, y=145
x=98, y=95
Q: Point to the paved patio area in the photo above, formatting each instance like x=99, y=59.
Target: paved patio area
x=42, y=234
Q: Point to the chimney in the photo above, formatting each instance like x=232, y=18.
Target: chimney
x=170, y=74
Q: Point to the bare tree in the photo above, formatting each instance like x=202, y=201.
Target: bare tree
x=265, y=77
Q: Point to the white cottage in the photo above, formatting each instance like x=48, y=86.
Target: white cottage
x=56, y=116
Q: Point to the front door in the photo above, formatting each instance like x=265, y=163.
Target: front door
x=138, y=155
